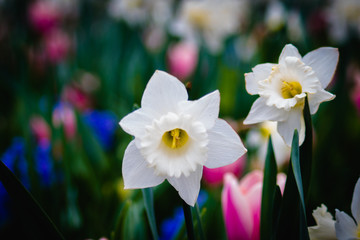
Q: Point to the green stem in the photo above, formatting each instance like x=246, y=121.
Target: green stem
x=198, y=218
x=188, y=221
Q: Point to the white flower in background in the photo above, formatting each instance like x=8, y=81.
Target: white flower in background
x=345, y=226
x=295, y=29
x=259, y=138
x=275, y=16
x=210, y=21
x=141, y=12
x=283, y=87
x=342, y=16
x=325, y=225
x=175, y=138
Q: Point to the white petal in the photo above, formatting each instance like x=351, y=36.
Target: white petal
x=286, y=128
x=163, y=93
x=325, y=228
x=345, y=226
x=289, y=51
x=205, y=110
x=188, y=187
x=355, y=204
x=260, y=112
x=134, y=123
x=260, y=72
x=225, y=146
x=320, y=96
x=323, y=61
x=135, y=171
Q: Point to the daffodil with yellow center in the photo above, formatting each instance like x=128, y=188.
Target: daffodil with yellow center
x=175, y=138
x=283, y=87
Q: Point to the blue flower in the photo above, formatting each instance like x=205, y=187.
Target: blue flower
x=104, y=124
x=44, y=163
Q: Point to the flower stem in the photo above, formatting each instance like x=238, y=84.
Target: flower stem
x=188, y=221
x=149, y=207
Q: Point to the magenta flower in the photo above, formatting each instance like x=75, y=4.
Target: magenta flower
x=40, y=129
x=57, y=46
x=44, y=16
x=215, y=176
x=241, y=204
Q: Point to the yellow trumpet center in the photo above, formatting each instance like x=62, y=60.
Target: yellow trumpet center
x=175, y=138
x=290, y=89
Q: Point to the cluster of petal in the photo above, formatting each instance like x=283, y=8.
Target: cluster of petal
x=211, y=142
x=345, y=226
x=325, y=225
x=283, y=87
x=241, y=204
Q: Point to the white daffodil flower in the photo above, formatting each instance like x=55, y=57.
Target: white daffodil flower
x=209, y=21
x=345, y=226
x=175, y=138
x=325, y=228
x=283, y=87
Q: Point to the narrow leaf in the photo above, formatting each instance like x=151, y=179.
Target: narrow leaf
x=268, y=191
x=27, y=204
x=295, y=161
x=198, y=218
x=188, y=221
x=149, y=207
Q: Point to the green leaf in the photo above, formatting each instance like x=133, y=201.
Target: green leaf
x=295, y=161
x=149, y=207
x=43, y=227
x=198, y=218
x=117, y=233
x=268, y=194
x=306, y=151
x=188, y=221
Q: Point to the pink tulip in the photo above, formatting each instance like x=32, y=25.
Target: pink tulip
x=44, y=16
x=40, y=129
x=215, y=176
x=182, y=59
x=241, y=203
x=64, y=115
x=57, y=46
x=76, y=97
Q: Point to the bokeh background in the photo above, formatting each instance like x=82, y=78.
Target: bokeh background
x=70, y=70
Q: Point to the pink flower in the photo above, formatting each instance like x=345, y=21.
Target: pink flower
x=76, y=97
x=241, y=204
x=44, y=16
x=40, y=129
x=63, y=114
x=182, y=59
x=57, y=46
x=215, y=176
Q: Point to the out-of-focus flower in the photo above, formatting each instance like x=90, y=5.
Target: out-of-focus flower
x=175, y=138
x=325, y=225
x=283, y=87
x=57, y=46
x=141, y=12
x=275, y=16
x=295, y=28
x=40, y=128
x=104, y=124
x=209, y=21
x=343, y=16
x=259, y=137
x=353, y=75
x=14, y=159
x=345, y=226
x=215, y=176
x=63, y=114
x=182, y=59
x=76, y=97
x=241, y=204
x=246, y=47
x=44, y=15
x=44, y=163
x=170, y=227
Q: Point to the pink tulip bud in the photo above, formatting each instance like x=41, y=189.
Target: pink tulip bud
x=214, y=176
x=57, y=46
x=44, y=16
x=182, y=59
x=76, y=97
x=40, y=129
x=241, y=204
x=63, y=114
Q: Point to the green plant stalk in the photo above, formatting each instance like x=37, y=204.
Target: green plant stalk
x=149, y=207
x=188, y=221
